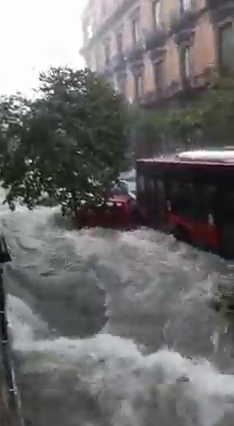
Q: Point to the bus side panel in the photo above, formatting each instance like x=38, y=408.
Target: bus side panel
x=202, y=233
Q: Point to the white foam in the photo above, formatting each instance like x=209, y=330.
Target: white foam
x=134, y=388
x=134, y=385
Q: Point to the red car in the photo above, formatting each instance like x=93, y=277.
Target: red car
x=117, y=213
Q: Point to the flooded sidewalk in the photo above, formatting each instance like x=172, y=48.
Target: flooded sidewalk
x=10, y=412
x=5, y=418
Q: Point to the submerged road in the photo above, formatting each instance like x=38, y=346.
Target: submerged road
x=115, y=328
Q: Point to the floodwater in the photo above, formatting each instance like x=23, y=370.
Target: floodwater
x=115, y=329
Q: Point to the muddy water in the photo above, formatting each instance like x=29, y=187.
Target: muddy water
x=116, y=328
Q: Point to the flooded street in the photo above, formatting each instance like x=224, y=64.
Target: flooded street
x=115, y=328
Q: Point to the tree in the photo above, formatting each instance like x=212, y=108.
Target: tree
x=69, y=142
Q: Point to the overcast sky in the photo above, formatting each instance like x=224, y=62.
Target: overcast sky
x=35, y=34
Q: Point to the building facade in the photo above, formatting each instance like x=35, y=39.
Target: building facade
x=152, y=50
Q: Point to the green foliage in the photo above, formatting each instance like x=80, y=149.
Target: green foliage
x=208, y=121
x=68, y=143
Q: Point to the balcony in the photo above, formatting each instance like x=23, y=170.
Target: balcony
x=184, y=89
x=220, y=9
x=207, y=78
x=213, y=4
x=155, y=38
x=149, y=99
x=135, y=54
x=160, y=98
x=157, y=54
x=121, y=8
x=119, y=62
x=183, y=23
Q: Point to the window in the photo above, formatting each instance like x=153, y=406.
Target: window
x=107, y=53
x=97, y=60
x=185, y=4
x=159, y=77
x=119, y=42
x=228, y=205
x=152, y=184
x=89, y=30
x=157, y=13
x=186, y=62
x=226, y=47
x=182, y=199
x=122, y=84
x=141, y=183
x=194, y=202
x=88, y=60
x=161, y=200
x=135, y=30
x=138, y=86
x=103, y=7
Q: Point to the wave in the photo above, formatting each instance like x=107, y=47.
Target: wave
x=114, y=328
x=110, y=380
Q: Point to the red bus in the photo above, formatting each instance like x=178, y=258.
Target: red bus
x=191, y=195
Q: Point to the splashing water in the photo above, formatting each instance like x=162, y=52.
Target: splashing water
x=115, y=328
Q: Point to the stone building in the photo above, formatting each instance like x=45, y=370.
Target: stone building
x=153, y=50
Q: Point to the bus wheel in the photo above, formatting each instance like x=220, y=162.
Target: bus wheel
x=181, y=234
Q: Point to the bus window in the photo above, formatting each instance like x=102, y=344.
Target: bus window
x=160, y=191
x=152, y=184
x=141, y=183
x=160, y=187
x=161, y=198
x=228, y=206
x=209, y=194
x=151, y=194
x=192, y=201
x=201, y=202
x=182, y=199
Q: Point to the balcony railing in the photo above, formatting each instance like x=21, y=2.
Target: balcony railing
x=156, y=38
x=157, y=54
x=213, y=4
x=207, y=78
x=120, y=9
x=182, y=88
x=184, y=19
x=221, y=9
x=148, y=99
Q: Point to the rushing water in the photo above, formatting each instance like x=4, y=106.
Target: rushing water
x=116, y=329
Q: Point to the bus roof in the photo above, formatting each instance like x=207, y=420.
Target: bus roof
x=225, y=156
